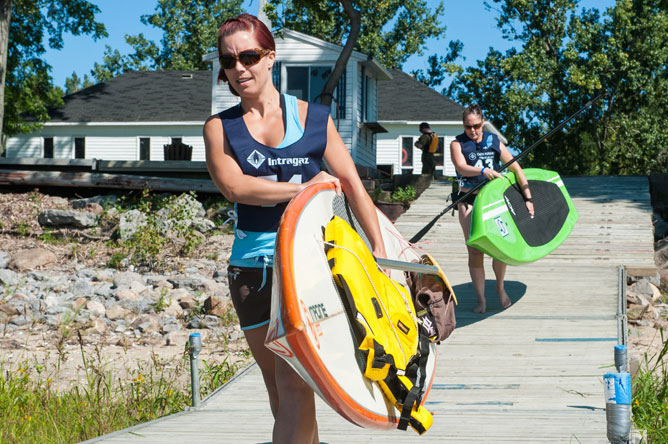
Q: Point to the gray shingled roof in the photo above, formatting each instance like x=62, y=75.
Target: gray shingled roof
x=141, y=96
x=405, y=99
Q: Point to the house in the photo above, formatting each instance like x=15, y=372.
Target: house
x=132, y=116
x=403, y=104
x=129, y=117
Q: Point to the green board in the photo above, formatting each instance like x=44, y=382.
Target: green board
x=502, y=227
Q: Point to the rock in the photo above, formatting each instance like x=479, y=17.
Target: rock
x=98, y=327
x=96, y=308
x=82, y=288
x=19, y=321
x=58, y=218
x=220, y=276
x=203, y=225
x=200, y=283
x=8, y=309
x=94, y=208
x=125, y=294
x=645, y=287
x=131, y=221
x=174, y=309
x=211, y=322
x=4, y=259
x=187, y=302
x=9, y=278
x=99, y=200
x=146, y=323
x=128, y=279
x=663, y=274
x=116, y=312
x=637, y=312
x=216, y=306
x=25, y=260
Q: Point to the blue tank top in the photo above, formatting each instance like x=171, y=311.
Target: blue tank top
x=486, y=154
x=299, y=162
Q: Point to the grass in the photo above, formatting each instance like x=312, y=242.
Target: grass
x=650, y=396
x=33, y=411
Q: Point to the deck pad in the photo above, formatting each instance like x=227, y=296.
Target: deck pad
x=502, y=227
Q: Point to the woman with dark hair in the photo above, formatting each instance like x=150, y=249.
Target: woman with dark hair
x=261, y=153
x=476, y=155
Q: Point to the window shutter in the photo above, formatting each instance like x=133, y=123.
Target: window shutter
x=276, y=75
x=341, y=95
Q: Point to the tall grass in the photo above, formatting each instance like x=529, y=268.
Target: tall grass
x=33, y=411
x=650, y=396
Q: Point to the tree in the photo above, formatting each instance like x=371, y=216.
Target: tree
x=441, y=66
x=190, y=30
x=27, y=87
x=563, y=57
x=75, y=83
x=385, y=30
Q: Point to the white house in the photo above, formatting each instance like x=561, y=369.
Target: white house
x=132, y=116
x=129, y=117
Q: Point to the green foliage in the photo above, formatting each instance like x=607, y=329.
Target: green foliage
x=562, y=57
x=28, y=87
x=404, y=195
x=189, y=32
x=391, y=30
x=650, y=396
x=23, y=228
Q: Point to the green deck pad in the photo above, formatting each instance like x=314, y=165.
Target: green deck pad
x=502, y=227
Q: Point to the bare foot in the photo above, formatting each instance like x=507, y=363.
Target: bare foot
x=504, y=300
x=480, y=308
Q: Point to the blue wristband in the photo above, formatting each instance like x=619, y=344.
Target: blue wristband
x=482, y=171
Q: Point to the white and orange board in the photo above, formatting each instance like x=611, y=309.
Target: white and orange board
x=309, y=327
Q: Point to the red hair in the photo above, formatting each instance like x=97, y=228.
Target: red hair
x=249, y=23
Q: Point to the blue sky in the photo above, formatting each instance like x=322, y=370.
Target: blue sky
x=467, y=21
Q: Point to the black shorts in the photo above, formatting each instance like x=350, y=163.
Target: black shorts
x=252, y=303
x=469, y=199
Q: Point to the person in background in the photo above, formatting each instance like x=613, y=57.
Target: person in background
x=261, y=153
x=428, y=143
x=476, y=155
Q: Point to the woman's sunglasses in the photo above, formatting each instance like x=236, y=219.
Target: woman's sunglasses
x=476, y=126
x=247, y=58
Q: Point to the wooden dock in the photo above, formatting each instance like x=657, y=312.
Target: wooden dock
x=531, y=373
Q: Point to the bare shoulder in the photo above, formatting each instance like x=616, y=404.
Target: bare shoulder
x=213, y=123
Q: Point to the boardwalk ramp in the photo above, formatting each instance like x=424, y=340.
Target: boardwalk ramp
x=531, y=373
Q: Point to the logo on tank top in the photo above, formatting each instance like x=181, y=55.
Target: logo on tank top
x=256, y=159
x=472, y=156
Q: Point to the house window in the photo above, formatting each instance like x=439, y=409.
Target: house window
x=306, y=83
x=406, y=152
x=79, y=147
x=144, y=148
x=48, y=147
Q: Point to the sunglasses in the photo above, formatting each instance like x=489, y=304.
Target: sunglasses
x=247, y=58
x=476, y=126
